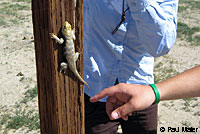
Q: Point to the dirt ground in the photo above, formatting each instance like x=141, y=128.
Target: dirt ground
x=18, y=68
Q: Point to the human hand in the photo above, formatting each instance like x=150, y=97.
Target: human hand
x=123, y=99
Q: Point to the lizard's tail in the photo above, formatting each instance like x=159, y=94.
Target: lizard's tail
x=86, y=84
x=81, y=79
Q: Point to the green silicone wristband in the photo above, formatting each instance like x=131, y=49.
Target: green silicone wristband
x=157, y=94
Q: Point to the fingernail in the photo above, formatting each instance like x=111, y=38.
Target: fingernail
x=115, y=115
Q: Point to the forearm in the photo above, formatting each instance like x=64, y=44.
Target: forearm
x=184, y=85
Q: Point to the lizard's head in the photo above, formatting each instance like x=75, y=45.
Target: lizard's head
x=66, y=28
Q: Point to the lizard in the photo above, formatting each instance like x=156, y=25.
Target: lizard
x=69, y=50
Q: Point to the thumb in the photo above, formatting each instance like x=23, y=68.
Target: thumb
x=122, y=111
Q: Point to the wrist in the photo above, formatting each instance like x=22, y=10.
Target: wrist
x=156, y=92
x=161, y=88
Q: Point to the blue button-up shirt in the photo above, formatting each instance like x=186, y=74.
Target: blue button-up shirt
x=149, y=31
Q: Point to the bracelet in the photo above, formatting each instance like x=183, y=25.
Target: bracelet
x=157, y=94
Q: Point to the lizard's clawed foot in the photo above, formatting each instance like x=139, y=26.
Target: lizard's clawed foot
x=52, y=35
x=63, y=67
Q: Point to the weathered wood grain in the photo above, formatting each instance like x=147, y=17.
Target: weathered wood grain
x=61, y=97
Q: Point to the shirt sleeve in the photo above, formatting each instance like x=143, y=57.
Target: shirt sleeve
x=156, y=23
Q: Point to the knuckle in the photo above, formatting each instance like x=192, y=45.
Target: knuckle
x=121, y=85
x=122, y=112
x=133, y=105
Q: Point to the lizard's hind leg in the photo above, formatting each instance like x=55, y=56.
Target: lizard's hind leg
x=63, y=67
x=77, y=55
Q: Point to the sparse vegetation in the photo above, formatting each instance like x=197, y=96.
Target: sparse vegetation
x=197, y=113
x=190, y=33
x=188, y=4
x=10, y=12
x=185, y=32
x=29, y=95
x=188, y=104
x=20, y=116
x=186, y=123
x=27, y=1
x=164, y=69
x=21, y=119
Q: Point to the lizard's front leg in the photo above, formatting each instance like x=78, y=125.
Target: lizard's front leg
x=53, y=36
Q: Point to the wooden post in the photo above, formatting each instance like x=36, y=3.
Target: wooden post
x=61, y=97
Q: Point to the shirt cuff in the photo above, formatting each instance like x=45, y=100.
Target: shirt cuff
x=137, y=5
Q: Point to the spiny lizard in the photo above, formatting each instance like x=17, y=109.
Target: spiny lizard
x=69, y=50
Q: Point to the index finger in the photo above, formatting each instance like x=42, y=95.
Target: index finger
x=106, y=92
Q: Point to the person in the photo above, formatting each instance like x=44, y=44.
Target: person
x=121, y=40
x=137, y=97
